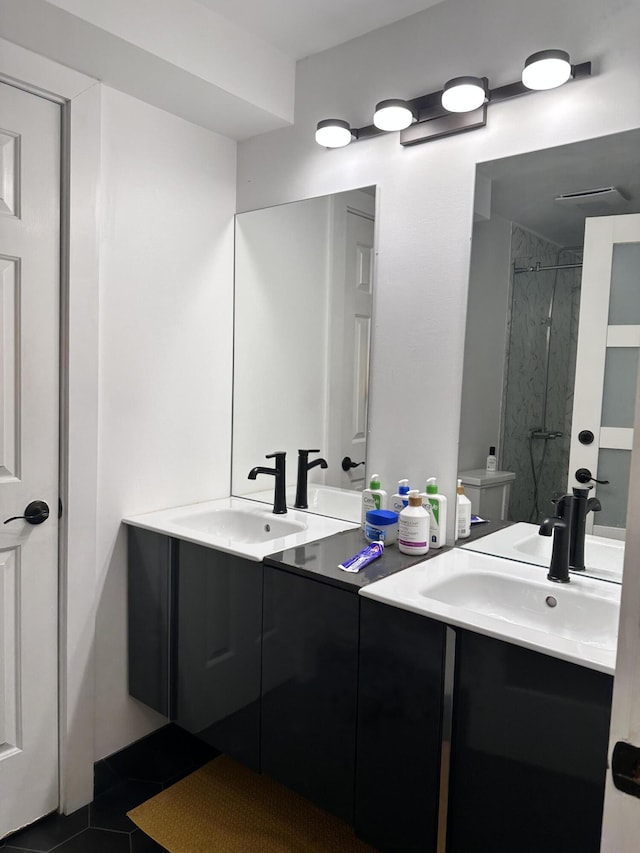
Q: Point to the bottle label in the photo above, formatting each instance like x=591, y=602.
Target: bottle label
x=374, y=534
x=414, y=531
x=435, y=521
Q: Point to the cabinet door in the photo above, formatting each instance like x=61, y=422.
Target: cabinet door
x=399, y=728
x=150, y=577
x=219, y=609
x=309, y=674
x=529, y=752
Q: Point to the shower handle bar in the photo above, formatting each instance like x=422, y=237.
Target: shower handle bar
x=538, y=268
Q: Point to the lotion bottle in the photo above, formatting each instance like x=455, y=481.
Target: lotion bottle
x=373, y=498
x=492, y=462
x=436, y=505
x=401, y=498
x=413, y=530
x=463, y=513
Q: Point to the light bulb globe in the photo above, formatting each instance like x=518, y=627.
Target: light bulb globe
x=392, y=114
x=333, y=133
x=463, y=94
x=546, y=69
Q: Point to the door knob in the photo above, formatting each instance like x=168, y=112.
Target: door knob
x=583, y=475
x=35, y=513
x=347, y=463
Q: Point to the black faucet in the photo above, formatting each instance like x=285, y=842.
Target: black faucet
x=279, y=496
x=582, y=506
x=303, y=467
x=561, y=526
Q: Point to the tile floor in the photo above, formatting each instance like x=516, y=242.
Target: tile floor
x=122, y=781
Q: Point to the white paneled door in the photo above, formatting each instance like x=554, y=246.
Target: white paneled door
x=607, y=366
x=29, y=342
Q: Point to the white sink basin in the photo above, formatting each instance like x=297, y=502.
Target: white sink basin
x=603, y=557
x=240, y=527
x=512, y=601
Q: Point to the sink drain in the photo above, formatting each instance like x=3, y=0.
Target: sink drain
x=551, y=601
x=267, y=528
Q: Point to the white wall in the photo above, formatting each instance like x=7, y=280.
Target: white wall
x=166, y=280
x=426, y=192
x=485, y=341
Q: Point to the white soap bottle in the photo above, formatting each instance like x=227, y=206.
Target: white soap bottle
x=436, y=505
x=401, y=498
x=463, y=513
x=492, y=462
x=373, y=498
x=413, y=529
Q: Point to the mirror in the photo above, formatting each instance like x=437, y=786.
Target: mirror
x=523, y=307
x=302, y=337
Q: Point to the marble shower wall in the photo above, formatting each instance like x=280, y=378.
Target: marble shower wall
x=541, y=303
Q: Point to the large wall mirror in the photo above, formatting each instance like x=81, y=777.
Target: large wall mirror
x=302, y=339
x=526, y=292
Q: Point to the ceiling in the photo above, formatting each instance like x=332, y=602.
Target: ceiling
x=523, y=188
x=302, y=27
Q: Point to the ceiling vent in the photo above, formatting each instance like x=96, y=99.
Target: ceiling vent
x=603, y=198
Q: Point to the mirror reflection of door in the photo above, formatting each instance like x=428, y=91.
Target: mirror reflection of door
x=607, y=366
x=523, y=310
x=350, y=335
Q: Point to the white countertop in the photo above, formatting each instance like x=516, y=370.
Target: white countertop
x=191, y=522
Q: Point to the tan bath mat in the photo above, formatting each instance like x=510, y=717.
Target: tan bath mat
x=225, y=807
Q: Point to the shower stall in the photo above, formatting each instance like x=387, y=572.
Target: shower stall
x=540, y=368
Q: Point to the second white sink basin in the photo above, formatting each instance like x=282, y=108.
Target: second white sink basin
x=512, y=601
x=603, y=557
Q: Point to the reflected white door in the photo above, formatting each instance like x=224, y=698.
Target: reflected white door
x=607, y=365
x=29, y=275
x=358, y=310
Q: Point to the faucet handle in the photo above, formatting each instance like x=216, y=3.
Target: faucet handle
x=300, y=450
x=278, y=454
x=584, y=475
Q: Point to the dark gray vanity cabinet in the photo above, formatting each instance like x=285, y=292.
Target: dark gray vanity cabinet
x=400, y=701
x=151, y=561
x=195, y=623
x=530, y=735
x=309, y=683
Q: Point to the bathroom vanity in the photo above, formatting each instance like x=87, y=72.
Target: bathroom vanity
x=410, y=724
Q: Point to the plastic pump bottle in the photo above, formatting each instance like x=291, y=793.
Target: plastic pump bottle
x=373, y=498
x=463, y=513
x=413, y=531
x=401, y=498
x=436, y=505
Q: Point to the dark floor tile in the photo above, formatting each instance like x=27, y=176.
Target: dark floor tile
x=109, y=810
x=166, y=754
x=141, y=843
x=49, y=831
x=104, y=778
x=97, y=841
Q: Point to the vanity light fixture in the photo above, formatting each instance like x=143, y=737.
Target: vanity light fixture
x=460, y=106
x=393, y=114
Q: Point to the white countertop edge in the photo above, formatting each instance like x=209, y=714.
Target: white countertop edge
x=166, y=521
